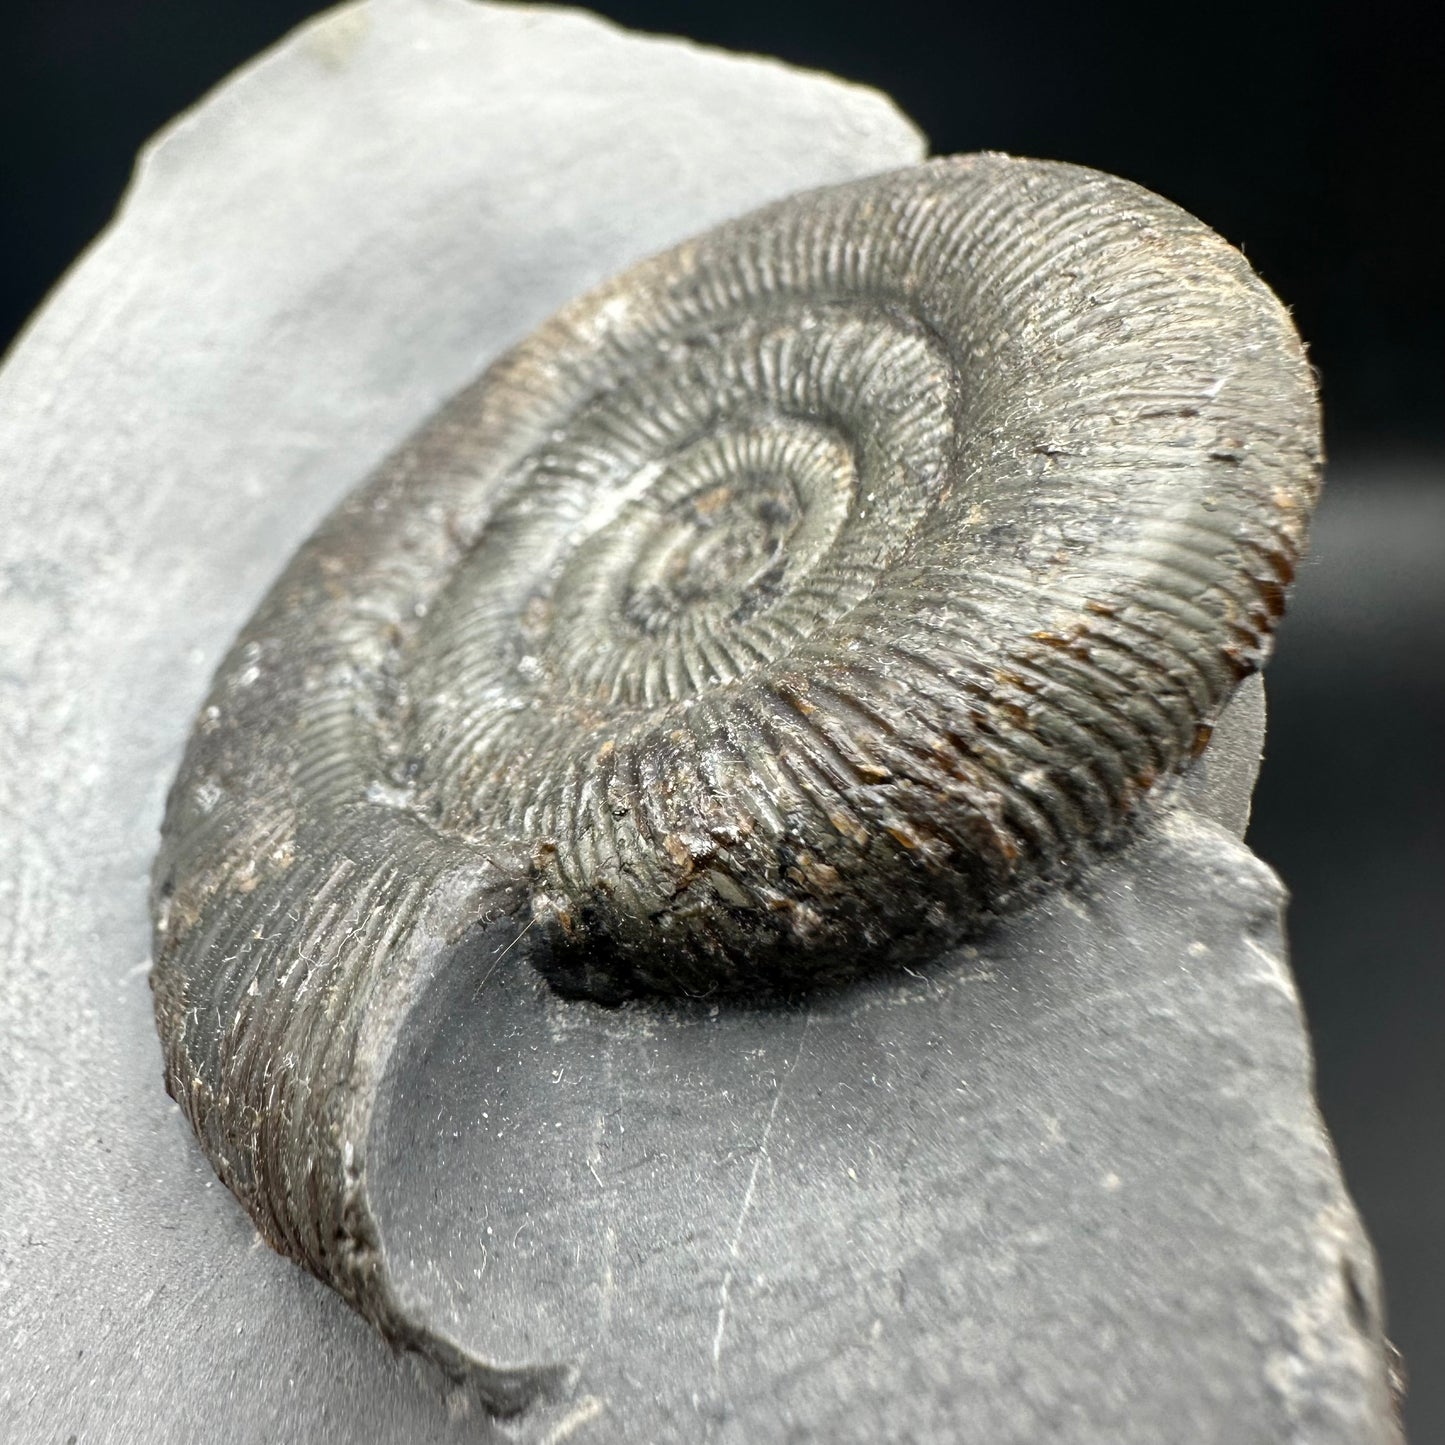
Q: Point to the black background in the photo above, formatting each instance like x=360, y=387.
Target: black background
x=1310, y=135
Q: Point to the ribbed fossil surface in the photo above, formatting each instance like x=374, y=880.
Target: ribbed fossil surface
x=789, y=606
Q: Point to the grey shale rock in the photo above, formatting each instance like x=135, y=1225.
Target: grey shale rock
x=1069, y=1184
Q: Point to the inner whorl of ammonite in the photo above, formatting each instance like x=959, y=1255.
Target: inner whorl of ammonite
x=614, y=674
x=814, y=591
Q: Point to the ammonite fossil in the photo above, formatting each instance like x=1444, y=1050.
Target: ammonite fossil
x=790, y=606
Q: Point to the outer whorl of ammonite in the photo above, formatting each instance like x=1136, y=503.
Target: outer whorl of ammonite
x=790, y=605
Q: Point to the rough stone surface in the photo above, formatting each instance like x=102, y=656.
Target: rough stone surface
x=1070, y=1185
x=1065, y=1185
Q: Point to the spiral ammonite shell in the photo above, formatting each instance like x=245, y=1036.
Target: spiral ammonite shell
x=794, y=603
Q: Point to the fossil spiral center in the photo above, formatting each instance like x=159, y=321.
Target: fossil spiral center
x=686, y=581
x=702, y=518
x=718, y=546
